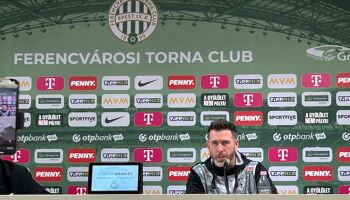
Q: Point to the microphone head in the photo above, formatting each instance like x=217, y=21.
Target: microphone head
x=225, y=164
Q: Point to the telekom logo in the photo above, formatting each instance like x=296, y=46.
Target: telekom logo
x=252, y=99
x=77, y=190
x=21, y=156
x=286, y=154
x=148, y=119
x=50, y=83
x=148, y=154
x=316, y=80
x=214, y=81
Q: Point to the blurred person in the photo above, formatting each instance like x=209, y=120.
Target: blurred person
x=5, y=110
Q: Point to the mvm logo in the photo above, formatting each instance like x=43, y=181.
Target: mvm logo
x=316, y=80
x=48, y=174
x=343, y=80
x=115, y=101
x=25, y=83
x=178, y=173
x=248, y=118
x=154, y=189
x=181, y=100
x=81, y=155
x=318, y=173
x=281, y=81
x=343, y=154
x=287, y=189
x=184, y=82
x=83, y=83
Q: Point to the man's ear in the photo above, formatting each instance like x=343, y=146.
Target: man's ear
x=237, y=143
x=207, y=143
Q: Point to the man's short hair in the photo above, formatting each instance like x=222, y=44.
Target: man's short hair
x=222, y=124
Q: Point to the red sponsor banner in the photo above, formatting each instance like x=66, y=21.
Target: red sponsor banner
x=148, y=155
x=251, y=99
x=50, y=83
x=218, y=81
x=82, y=83
x=316, y=80
x=21, y=156
x=343, y=80
x=184, y=82
x=77, y=190
x=318, y=173
x=283, y=154
x=343, y=154
x=148, y=119
x=344, y=189
x=82, y=155
x=248, y=118
x=178, y=173
x=48, y=174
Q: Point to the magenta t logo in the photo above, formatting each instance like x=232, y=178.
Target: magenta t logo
x=251, y=99
x=316, y=80
x=218, y=81
x=148, y=119
x=21, y=156
x=148, y=154
x=50, y=83
x=283, y=154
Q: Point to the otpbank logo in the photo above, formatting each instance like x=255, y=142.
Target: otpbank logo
x=248, y=118
x=321, y=80
x=81, y=155
x=82, y=83
x=343, y=154
x=181, y=82
x=329, y=53
x=275, y=81
x=283, y=154
x=20, y=156
x=54, y=83
x=148, y=155
x=178, y=173
x=251, y=99
x=25, y=83
x=343, y=80
x=318, y=173
x=214, y=81
x=148, y=119
x=48, y=174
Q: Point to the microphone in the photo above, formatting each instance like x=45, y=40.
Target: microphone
x=225, y=177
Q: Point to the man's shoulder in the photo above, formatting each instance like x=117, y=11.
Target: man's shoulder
x=11, y=167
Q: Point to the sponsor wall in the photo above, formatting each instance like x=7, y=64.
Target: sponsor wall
x=91, y=94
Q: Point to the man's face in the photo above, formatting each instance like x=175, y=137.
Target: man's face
x=222, y=147
x=3, y=107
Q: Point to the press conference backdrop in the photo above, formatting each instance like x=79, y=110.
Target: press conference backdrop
x=140, y=81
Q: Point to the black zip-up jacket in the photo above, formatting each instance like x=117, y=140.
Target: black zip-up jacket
x=16, y=179
x=206, y=178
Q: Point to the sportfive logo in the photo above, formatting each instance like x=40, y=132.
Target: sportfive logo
x=178, y=173
x=318, y=173
x=214, y=81
x=81, y=155
x=48, y=174
x=82, y=83
x=252, y=99
x=181, y=82
x=248, y=118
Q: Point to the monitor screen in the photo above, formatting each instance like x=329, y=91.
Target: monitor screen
x=115, y=178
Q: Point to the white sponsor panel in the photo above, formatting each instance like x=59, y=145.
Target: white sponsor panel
x=115, y=155
x=181, y=155
x=284, y=117
x=47, y=156
x=82, y=101
x=255, y=154
x=24, y=101
x=205, y=154
x=148, y=82
x=181, y=100
x=248, y=81
x=115, y=82
x=281, y=81
x=49, y=101
x=82, y=119
x=282, y=99
x=181, y=118
x=27, y=119
x=287, y=189
x=77, y=174
x=115, y=101
x=176, y=189
x=208, y=116
x=315, y=99
x=148, y=100
x=343, y=98
x=317, y=154
x=344, y=173
x=25, y=83
x=152, y=189
x=152, y=173
x=343, y=117
x=115, y=119
x=283, y=173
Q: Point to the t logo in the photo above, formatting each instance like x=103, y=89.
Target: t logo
x=50, y=83
x=148, y=154
x=283, y=154
x=81, y=190
x=214, y=81
x=248, y=99
x=148, y=118
x=316, y=80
